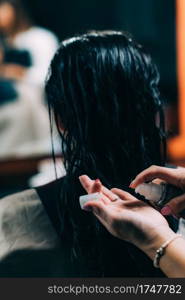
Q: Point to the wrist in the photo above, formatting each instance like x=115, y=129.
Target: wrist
x=158, y=239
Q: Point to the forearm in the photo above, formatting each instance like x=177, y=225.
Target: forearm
x=172, y=263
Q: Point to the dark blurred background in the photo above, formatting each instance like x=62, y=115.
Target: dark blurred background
x=151, y=22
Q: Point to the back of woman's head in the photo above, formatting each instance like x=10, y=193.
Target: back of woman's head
x=103, y=90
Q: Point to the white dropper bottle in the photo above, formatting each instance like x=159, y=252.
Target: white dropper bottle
x=158, y=194
x=151, y=191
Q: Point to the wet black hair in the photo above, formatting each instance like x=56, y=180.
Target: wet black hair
x=102, y=88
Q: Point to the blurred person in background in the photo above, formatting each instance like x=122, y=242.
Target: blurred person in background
x=103, y=91
x=26, y=51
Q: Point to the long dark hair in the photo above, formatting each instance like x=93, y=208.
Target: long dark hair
x=103, y=90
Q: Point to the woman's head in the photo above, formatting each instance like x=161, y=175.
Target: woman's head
x=13, y=16
x=103, y=89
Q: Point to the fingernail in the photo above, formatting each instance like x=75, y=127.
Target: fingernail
x=97, y=181
x=132, y=184
x=166, y=211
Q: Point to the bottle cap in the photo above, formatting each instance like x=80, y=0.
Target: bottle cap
x=151, y=191
x=84, y=199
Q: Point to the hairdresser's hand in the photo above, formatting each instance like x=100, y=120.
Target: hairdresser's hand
x=95, y=186
x=12, y=71
x=173, y=176
x=128, y=218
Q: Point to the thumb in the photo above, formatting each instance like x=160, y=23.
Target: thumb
x=100, y=210
x=97, y=207
x=174, y=206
